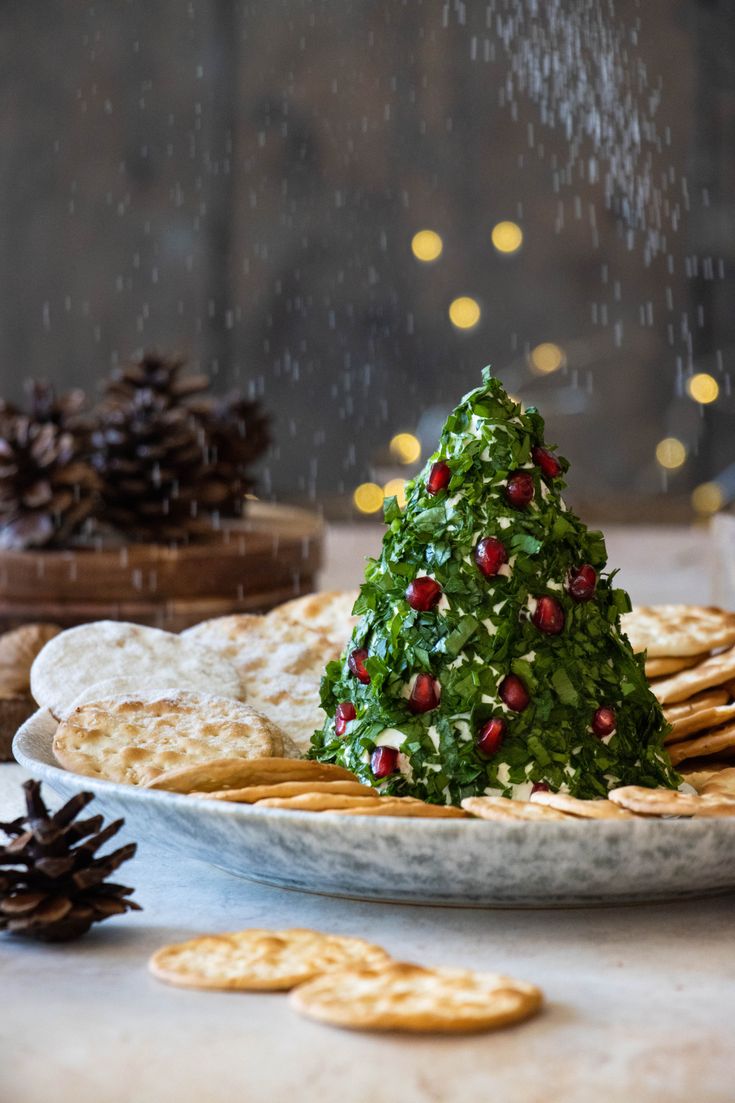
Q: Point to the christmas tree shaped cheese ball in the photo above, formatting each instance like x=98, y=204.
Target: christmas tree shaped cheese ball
x=489, y=656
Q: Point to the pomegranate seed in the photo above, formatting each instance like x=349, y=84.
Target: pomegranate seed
x=356, y=663
x=519, y=489
x=342, y=716
x=582, y=583
x=548, y=616
x=603, y=722
x=439, y=477
x=423, y=593
x=383, y=761
x=513, y=693
x=548, y=462
x=491, y=736
x=490, y=554
x=425, y=694
x=539, y=787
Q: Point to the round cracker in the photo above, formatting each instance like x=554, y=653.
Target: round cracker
x=329, y=613
x=708, y=699
x=668, y=802
x=701, y=721
x=261, y=959
x=237, y=773
x=257, y=645
x=503, y=808
x=676, y=630
x=659, y=668
x=406, y=807
x=410, y=998
x=712, y=742
x=292, y=702
x=319, y=802
x=253, y=793
x=18, y=649
x=133, y=740
x=582, y=809
x=713, y=672
x=83, y=655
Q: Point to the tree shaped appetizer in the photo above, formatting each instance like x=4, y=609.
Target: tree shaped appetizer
x=489, y=656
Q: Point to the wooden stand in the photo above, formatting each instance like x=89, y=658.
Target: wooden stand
x=247, y=566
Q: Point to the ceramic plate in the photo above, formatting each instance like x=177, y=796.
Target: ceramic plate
x=466, y=863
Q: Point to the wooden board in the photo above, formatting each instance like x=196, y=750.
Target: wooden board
x=249, y=566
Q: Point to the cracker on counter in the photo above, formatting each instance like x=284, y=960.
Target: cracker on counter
x=261, y=960
x=413, y=999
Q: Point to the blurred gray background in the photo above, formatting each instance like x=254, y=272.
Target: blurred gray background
x=242, y=182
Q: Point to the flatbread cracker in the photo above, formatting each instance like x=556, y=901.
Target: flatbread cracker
x=253, y=793
x=582, y=809
x=134, y=740
x=709, y=699
x=715, y=671
x=239, y=773
x=83, y=655
x=329, y=613
x=663, y=631
x=398, y=807
x=261, y=960
x=503, y=808
x=720, y=780
x=669, y=802
x=412, y=999
x=660, y=668
x=721, y=739
x=257, y=646
x=291, y=702
x=318, y=802
x=700, y=722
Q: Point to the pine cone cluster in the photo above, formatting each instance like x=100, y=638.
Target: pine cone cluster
x=158, y=459
x=53, y=886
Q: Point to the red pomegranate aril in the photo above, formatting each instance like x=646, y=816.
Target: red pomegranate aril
x=490, y=555
x=384, y=761
x=425, y=694
x=547, y=461
x=356, y=663
x=539, y=787
x=423, y=593
x=513, y=693
x=439, y=477
x=548, y=616
x=519, y=489
x=491, y=736
x=582, y=582
x=342, y=716
x=604, y=721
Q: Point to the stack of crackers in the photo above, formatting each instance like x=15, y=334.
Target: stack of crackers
x=690, y=661
x=348, y=982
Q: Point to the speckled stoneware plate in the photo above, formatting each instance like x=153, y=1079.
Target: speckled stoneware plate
x=466, y=863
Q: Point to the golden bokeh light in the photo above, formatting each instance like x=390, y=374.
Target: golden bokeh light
x=507, y=237
x=703, y=388
x=426, y=246
x=547, y=358
x=397, y=488
x=670, y=453
x=464, y=312
x=368, y=498
x=707, y=498
x=405, y=447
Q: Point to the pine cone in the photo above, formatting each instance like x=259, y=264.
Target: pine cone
x=236, y=433
x=159, y=375
x=47, y=489
x=64, y=411
x=52, y=886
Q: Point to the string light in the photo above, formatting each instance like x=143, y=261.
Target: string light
x=368, y=498
x=670, y=453
x=464, y=312
x=703, y=388
x=396, y=488
x=427, y=246
x=507, y=237
x=707, y=498
x=547, y=358
x=405, y=447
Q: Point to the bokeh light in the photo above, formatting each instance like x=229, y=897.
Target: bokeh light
x=670, y=453
x=368, y=498
x=405, y=447
x=507, y=237
x=426, y=246
x=396, y=487
x=464, y=312
x=703, y=388
x=707, y=498
x=547, y=358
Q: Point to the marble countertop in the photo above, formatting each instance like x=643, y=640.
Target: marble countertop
x=640, y=1000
